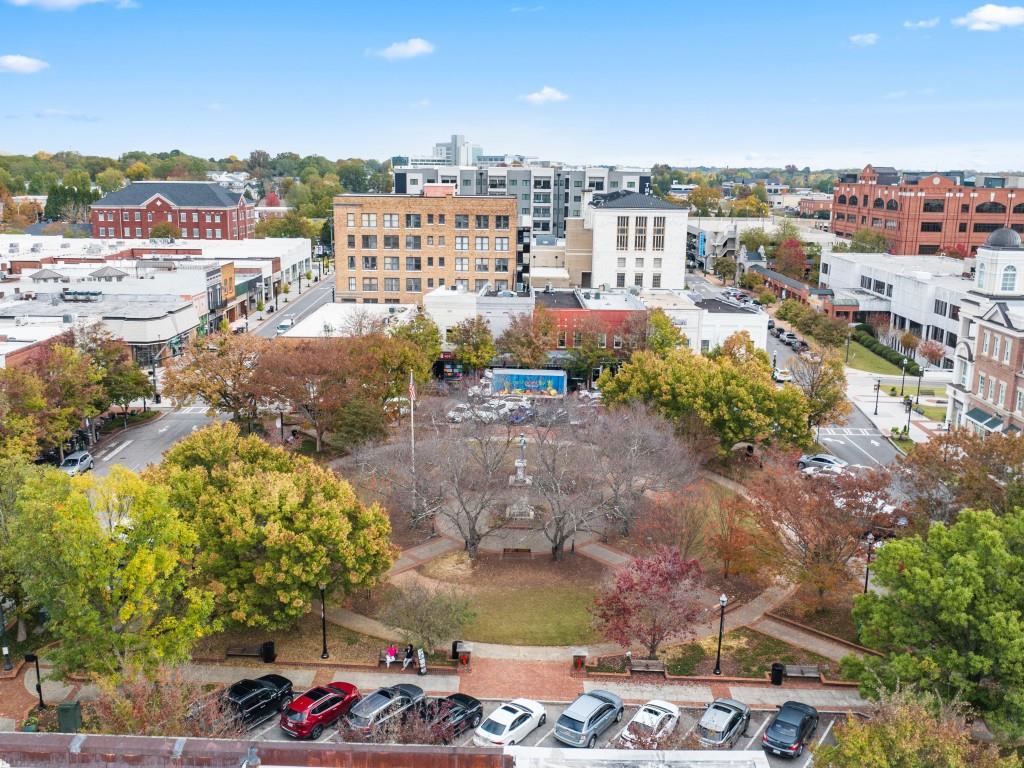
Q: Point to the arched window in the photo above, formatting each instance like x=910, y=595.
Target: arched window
x=1009, y=282
x=1018, y=208
x=892, y=205
x=842, y=199
x=879, y=203
x=981, y=275
x=990, y=207
x=853, y=199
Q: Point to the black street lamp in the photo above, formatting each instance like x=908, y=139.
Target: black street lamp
x=903, y=377
x=8, y=666
x=878, y=389
x=867, y=568
x=280, y=423
x=33, y=658
x=910, y=411
x=849, y=338
x=920, y=380
x=722, y=601
x=323, y=621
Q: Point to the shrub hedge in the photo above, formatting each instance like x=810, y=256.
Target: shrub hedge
x=886, y=353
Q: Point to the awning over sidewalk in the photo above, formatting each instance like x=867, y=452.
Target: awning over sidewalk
x=984, y=419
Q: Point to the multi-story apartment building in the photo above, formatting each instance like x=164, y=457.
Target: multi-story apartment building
x=546, y=195
x=930, y=213
x=392, y=249
x=197, y=210
x=457, y=151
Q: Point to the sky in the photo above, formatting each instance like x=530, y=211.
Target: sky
x=914, y=84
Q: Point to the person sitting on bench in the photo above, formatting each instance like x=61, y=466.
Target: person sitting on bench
x=408, y=656
x=391, y=655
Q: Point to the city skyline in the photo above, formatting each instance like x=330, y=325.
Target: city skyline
x=745, y=85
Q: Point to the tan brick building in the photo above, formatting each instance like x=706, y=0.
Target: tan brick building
x=392, y=249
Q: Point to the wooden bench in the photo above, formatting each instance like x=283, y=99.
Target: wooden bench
x=647, y=665
x=520, y=552
x=803, y=670
x=264, y=651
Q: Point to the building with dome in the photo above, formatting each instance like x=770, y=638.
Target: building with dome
x=987, y=391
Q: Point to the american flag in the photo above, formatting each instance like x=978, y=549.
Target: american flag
x=412, y=388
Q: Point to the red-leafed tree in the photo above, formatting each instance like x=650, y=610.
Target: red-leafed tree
x=651, y=600
x=790, y=258
x=931, y=350
x=272, y=200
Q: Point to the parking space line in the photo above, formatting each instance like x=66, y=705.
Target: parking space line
x=757, y=732
x=266, y=729
x=824, y=734
x=542, y=738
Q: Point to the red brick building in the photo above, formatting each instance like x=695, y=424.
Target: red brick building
x=197, y=210
x=617, y=317
x=927, y=213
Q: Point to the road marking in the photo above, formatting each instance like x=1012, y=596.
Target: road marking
x=757, y=732
x=875, y=443
x=162, y=430
x=833, y=440
x=864, y=452
x=542, y=738
x=266, y=730
x=117, y=450
x=824, y=733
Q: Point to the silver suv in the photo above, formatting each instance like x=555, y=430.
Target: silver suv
x=722, y=723
x=382, y=709
x=587, y=717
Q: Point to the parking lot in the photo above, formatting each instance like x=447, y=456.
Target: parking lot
x=544, y=736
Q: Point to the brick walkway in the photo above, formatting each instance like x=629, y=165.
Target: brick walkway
x=543, y=680
x=605, y=555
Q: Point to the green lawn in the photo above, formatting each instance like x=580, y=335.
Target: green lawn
x=532, y=615
x=904, y=444
x=863, y=359
x=745, y=653
x=933, y=412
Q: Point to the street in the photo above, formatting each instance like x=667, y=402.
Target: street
x=140, y=446
x=313, y=295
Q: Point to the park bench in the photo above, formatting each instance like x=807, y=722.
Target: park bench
x=520, y=552
x=803, y=670
x=647, y=665
x=264, y=651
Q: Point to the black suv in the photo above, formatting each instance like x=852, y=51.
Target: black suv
x=790, y=730
x=253, y=701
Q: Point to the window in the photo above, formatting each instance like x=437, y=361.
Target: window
x=368, y=219
x=440, y=239
x=658, y=242
x=990, y=207
x=195, y=232
x=1002, y=394
x=984, y=227
x=878, y=203
x=392, y=263
x=617, y=342
x=934, y=206
x=103, y=231
x=350, y=241
x=412, y=220
x=1009, y=282
x=640, y=234
x=620, y=280
x=501, y=265
x=578, y=183
x=412, y=242
x=876, y=222
x=892, y=205
x=184, y=231
x=931, y=226
x=853, y=200
x=954, y=313
x=950, y=339
x=638, y=280
x=891, y=224
x=482, y=244
x=561, y=339
x=656, y=280
x=940, y=307
x=865, y=282
x=1007, y=347
x=500, y=222
x=888, y=290
x=352, y=284
x=370, y=241
x=462, y=264
x=462, y=221
x=621, y=262
x=392, y=284
x=430, y=239
x=622, y=233
x=638, y=263
x=390, y=220
x=461, y=243
x=483, y=265
x=841, y=200
x=602, y=340
x=124, y=216
x=413, y=263
x=390, y=242
x=986, y=342
x=440, y=218
x=981, y=275
x=138, y=232
x=369, y=262
x=149, y=216
x=461, y=283
x=370, y=284
x=216, y=234
x=981, y=385
x=430, y=282
x=195, y=218
x=479, y=285
x=483, y=222
x=206, y=218
x=138, y=216
x=878, y=287
x=440, y=261
x=500, y=243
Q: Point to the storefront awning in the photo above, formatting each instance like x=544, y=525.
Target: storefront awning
x=984, y=419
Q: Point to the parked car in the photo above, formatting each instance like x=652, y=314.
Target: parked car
x=379, y=709
x=652, y=723
x=771, y=324
x=76, y=463
x=308, y=715
x=521, y=416
x=453, y=715
x=251, y=702
x=587, y=718
x=460, y=413
x=782, y=375
x=722, y=723
x=286, y=323
x=820, y=460
x=790, y=729
x=788, y=338
x=799, y=346
x=510, y=723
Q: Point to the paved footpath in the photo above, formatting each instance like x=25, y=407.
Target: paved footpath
x=414, y=557
x=794, y=636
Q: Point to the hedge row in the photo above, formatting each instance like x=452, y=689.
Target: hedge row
x=886, y=353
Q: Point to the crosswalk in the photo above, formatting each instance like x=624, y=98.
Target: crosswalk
x=850, y=431
x=191, y=409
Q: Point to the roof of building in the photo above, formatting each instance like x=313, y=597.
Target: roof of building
x=349, y=319
x=1003, y=238
x=189, y=194
x=557, y=300
x=627, y=199
x=719, y=307
x=778, y=277
x=46, y=274
x=108, y=271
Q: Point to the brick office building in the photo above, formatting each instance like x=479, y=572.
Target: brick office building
x=927, y=214
x=617, y=317
x=198, y=210
x=392, y=249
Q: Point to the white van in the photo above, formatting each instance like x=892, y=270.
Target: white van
x=286, y=323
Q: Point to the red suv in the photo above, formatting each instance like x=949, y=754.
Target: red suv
x=308, y=715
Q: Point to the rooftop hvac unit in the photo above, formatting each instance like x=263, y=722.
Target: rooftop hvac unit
x=37, y=247
x=597, y=295
x=65, y=245
x=391, y=310
x=67, y=319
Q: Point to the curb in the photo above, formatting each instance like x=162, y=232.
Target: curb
x=111, y=435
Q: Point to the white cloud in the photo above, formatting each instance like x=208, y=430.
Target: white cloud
x=545, y=95
x=21, y=65
x=406, y=49
x=922, y=24
x=69, y=5
x=864, y=39
x=992, y=18
x=63, y=114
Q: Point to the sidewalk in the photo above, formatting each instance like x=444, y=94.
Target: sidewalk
x=891, y=411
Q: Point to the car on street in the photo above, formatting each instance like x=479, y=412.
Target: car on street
x=452, y=716
x=723, y=723
x=76, y=463
x=510, y=723
x=250, y=702
x=771, y=324
x=587, y=718
x=285, y=325
x=653, y=723
x=790, y=730
x=799, y=346
x=820, y=460
x=789, y=338
x=782, y=375
x=307, y=716
x=383, y=708
x=778, y=331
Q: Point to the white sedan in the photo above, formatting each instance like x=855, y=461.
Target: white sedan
x=652, y=723
x=510, y=723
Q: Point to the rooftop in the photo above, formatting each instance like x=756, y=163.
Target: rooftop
x=627, y=199
x=719, y=307
x=348, y=319
x=189, y=194
x=557, y=300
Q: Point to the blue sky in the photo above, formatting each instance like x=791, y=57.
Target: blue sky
x=911, y=84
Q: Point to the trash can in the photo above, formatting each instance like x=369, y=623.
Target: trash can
x=579, y=659
x=267, y=652
x=465, y=653
x=778, y=673
x=69, y=717
x=455, y=650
